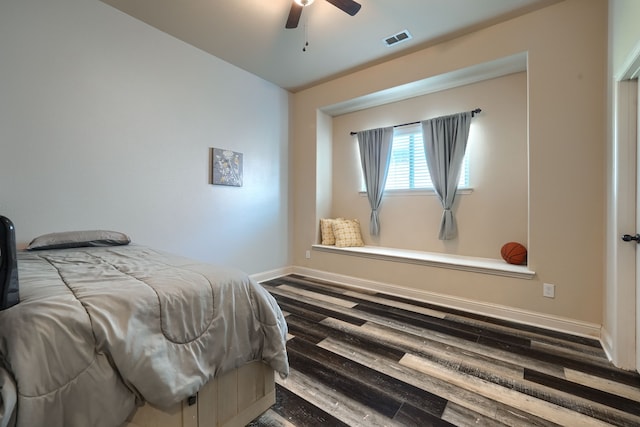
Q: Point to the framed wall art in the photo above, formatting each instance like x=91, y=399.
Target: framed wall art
x=226, y=167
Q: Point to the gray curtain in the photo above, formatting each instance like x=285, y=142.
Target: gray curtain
x=375, y=154
x=445, y=141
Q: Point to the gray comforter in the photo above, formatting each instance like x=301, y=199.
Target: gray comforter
x=99, y=330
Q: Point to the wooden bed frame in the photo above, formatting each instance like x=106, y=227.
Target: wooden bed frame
x=232, y=400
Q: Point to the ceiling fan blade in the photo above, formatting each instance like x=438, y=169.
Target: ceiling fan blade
x=294, y=15
x=347, y=6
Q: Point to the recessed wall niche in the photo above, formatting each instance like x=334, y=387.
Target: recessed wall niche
x=494, y=212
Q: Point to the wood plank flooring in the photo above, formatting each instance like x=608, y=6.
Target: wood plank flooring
x=368, y=359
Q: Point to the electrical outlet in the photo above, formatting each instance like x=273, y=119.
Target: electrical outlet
x=307, y=254
x=548, y=290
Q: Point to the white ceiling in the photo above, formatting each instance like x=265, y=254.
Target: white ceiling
x=251, y=35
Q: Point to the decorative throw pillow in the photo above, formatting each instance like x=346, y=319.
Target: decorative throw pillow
x=326, y=230
x=347, y=233
x=78, y=239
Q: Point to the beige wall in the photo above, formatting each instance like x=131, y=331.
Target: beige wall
x=493, y=214
x=566, y=47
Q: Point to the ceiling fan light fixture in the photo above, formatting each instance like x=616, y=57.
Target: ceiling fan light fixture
x=350, y=7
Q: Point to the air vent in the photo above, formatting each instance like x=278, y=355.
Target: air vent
x=402, y=36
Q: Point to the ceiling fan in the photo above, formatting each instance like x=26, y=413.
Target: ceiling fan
x=347, y=6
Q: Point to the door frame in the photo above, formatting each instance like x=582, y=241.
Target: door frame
x=621, y=331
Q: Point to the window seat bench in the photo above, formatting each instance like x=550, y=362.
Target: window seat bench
x=493, y=266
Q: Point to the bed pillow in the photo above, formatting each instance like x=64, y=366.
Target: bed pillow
x=347, y=233
x=79, y=239
x=326, y=230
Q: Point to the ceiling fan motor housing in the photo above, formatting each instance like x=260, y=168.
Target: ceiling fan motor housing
x=350, y=7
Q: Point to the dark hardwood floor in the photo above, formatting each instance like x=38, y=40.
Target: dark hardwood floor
x=368, y=359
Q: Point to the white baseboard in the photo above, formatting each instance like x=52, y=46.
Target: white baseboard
x=607, y=344
x=268, y=275
x=624, y=357
x=541, y=320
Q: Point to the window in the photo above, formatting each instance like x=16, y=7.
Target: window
x=408, y=167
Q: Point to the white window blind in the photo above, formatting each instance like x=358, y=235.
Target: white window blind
x=408, y=167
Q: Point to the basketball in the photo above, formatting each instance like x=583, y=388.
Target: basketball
x=514, y=253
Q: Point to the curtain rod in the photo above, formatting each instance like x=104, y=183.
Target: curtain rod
x=473, y=113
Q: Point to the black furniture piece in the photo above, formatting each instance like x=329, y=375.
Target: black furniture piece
x=9, y=290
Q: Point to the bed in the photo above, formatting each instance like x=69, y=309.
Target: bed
x=117, y=334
